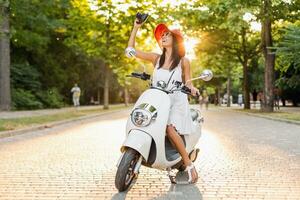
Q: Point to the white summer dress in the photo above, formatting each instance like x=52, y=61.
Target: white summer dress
x=180, y=116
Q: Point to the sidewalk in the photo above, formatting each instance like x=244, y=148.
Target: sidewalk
x=257, y=107
x=48, y=118
x=34, y=113
x=285, y=114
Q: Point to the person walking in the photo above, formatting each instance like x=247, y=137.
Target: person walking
x=76, y=94
x=240, y=99
x=200, y=99
x=205, y=99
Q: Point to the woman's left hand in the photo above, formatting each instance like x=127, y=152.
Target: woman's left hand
x=194, y=91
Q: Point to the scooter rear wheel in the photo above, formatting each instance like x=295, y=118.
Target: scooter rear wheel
x=125, y=173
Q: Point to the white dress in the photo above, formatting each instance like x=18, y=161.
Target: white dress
x=180, y=116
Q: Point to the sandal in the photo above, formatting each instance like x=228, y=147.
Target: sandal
x=189, y=169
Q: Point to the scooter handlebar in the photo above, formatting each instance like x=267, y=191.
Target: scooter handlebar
x=144, y=76
x=188, y=91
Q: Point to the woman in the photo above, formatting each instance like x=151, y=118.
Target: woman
x=172, y=64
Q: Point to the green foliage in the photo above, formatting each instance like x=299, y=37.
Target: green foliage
x=28, y=93
x=103, y=32
x=256, y=74
x=24, y=100
x=288, y=63
x=25, y=76
x=50, y=98
x=58, y=43
x=288, y=49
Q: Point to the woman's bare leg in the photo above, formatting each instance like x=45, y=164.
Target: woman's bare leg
x=177, y=141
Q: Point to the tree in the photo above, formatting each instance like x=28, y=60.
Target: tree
x=223, y=28
x=5, y=96
x=100, y=30
x=271, y=11
x=288, y=64
x=267, y=42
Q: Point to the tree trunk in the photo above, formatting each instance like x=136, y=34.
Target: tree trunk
x=266, y=38
x=98, y=96
x=246, y=86
x=219, y=95
x=106, y=88
x=5, y=95
x=228, y=90
x=244, y=61
x=126, y=96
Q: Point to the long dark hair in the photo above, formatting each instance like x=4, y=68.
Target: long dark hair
x=175, y=55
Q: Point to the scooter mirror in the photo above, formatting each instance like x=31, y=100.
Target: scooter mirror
x=206, y=75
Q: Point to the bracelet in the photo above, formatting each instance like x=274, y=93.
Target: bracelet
x=130, y=52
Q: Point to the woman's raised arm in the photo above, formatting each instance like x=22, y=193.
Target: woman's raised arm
x=152, y=57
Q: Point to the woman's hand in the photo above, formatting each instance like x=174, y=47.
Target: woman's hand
x=194, y=91
x=136, y=24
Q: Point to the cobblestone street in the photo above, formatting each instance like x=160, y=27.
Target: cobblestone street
x=242, y=157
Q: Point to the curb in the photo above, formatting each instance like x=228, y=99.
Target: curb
x=12, y=133
x=270, y=118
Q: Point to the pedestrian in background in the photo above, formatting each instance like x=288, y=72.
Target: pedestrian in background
x=200, y=99
x=76, y=95
x=205, y=99
x=240, y=99
x=260, y=98
x=276, y=98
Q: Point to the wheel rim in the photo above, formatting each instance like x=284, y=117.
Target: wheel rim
x=130, y=173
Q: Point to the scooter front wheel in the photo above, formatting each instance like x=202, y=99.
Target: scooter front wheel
x=125, y=173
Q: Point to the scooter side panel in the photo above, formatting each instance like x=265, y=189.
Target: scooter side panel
x=192, y=139
x=139, y=141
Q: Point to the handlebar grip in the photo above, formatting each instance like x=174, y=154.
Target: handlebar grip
x=135, y=74
x=145, y=76
x=186, y=90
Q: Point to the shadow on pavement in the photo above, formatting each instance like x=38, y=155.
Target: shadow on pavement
x=119, y=196
x=176, y=191
x=182, y=191
x=122, y=195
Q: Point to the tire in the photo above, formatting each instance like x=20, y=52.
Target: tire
x=124, y=175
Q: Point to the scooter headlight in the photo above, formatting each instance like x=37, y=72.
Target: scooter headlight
x=140, y=117
x=143, y=115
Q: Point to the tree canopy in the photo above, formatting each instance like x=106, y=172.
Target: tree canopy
x=55, y=44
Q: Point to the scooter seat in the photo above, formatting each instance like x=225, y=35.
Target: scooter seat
x=194, y=114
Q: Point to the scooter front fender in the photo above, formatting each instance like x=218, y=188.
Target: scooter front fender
x=139, y=141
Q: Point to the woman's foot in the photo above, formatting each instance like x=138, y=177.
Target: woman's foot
x=192, y=173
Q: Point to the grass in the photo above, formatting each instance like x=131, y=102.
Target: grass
x=25, y=122
x=295, y=116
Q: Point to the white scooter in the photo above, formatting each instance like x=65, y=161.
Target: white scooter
x=146, y=142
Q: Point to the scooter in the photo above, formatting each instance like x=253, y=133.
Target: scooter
x=146, y=142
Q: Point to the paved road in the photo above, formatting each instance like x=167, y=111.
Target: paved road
x=242, y=157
